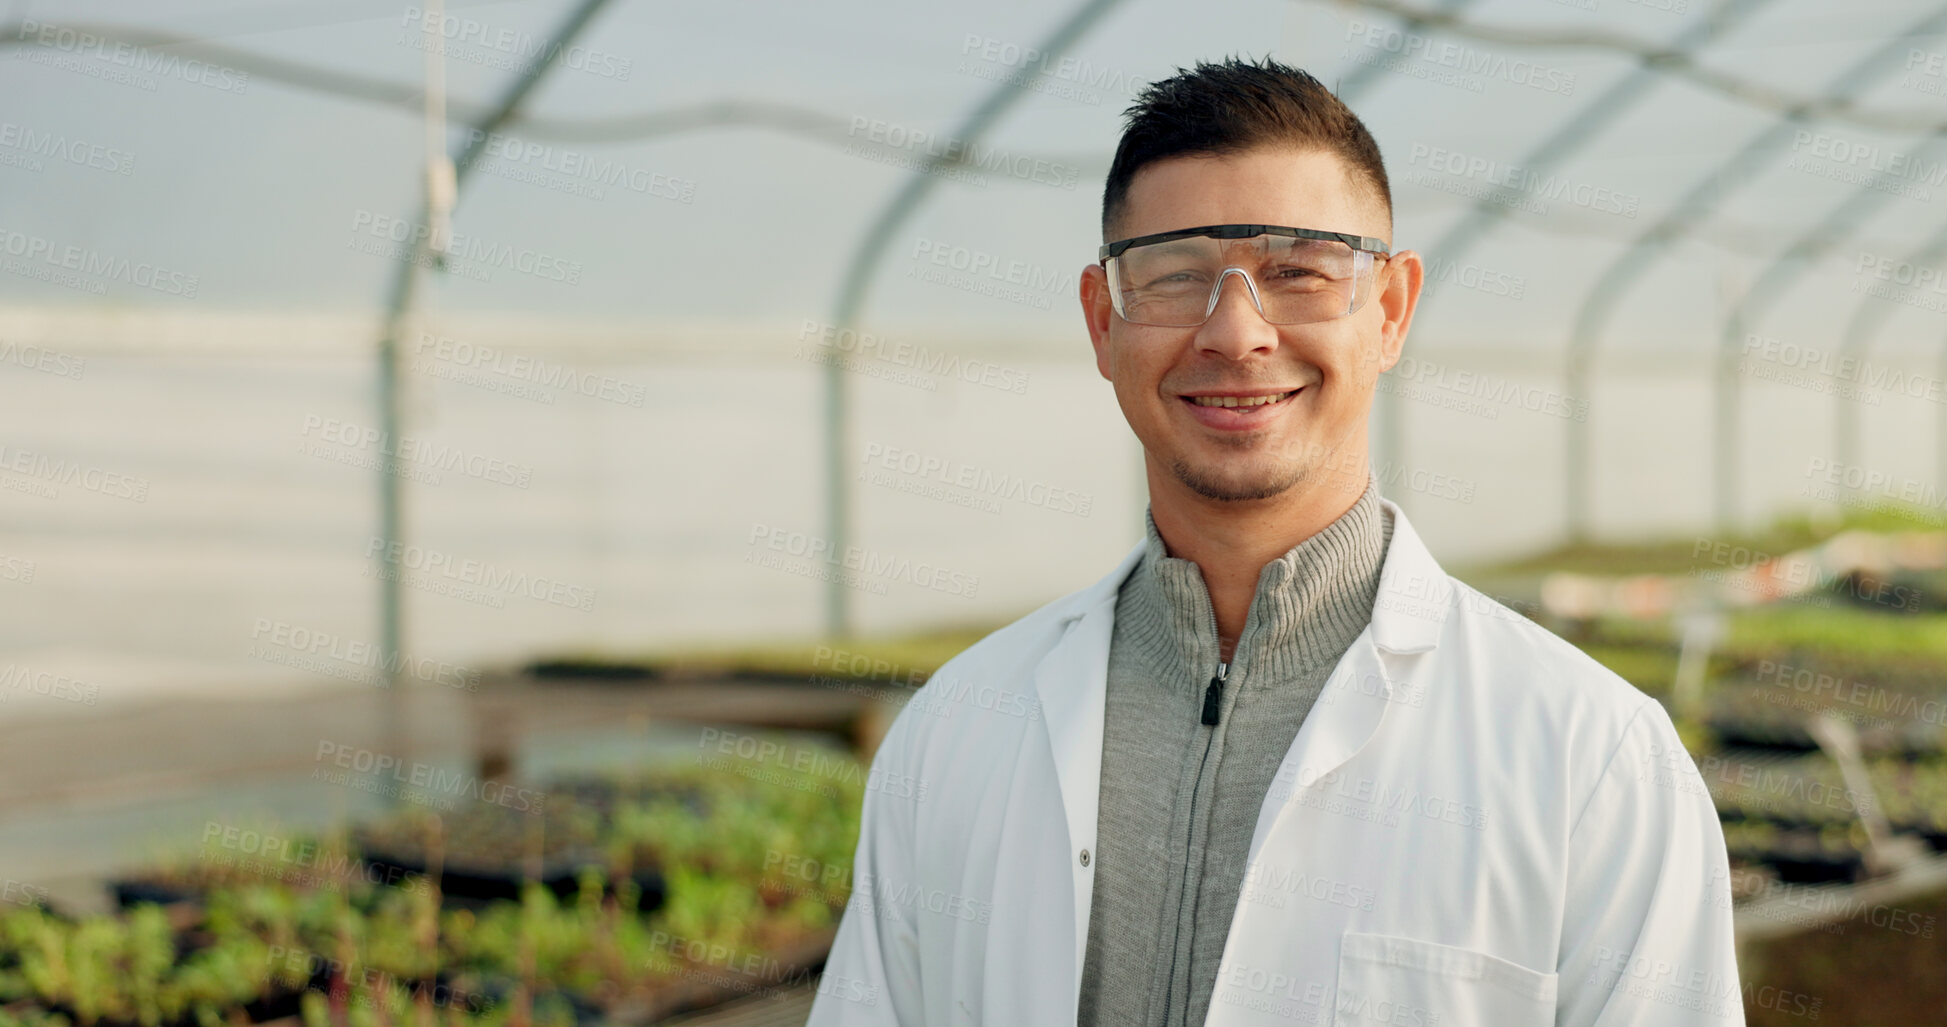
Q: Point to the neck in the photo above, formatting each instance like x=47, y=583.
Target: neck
x=1230, y=541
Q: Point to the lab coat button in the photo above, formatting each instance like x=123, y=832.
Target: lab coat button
x=1085, y=857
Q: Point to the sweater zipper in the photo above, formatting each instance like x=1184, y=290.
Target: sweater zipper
x=1213, y=694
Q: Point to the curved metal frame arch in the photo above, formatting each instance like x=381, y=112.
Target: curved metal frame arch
x=1365, y=75
x=644, y=124
x=1386, y=406
x=1841, y=222
x=1862, y=327
x=1707, y=194
x=1578, y=130
x=1833, y=105
x=858, y=279
x=1747, y=91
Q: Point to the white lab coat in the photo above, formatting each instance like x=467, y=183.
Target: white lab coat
x=1476, y=826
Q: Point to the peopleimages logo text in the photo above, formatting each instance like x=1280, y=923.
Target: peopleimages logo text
x=423, y=452
x=534, y=370
x=581, y=166
x=130, y=56
x=995, y=159
x=1459, y=58
x=58, y=146
x=859, y=559
x=525, y=47
x=471, y=571
x=434, y=779
x=469, y=248
x=86, y=260
x=1524, y=181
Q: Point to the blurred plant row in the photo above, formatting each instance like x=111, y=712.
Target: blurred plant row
x=633, y=897
x=1865, y=647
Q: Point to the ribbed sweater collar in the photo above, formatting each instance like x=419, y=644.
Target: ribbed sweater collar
x=1310, y=604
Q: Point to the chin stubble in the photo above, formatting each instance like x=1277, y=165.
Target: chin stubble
x=1213, y=488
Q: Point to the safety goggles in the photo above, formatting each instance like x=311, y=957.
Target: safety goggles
x=1294, y=275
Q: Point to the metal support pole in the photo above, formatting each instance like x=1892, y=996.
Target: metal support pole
x=441, y=193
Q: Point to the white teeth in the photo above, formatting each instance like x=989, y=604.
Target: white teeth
x=1238, y=401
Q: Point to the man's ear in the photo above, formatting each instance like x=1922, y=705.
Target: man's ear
x=1399, y=295
x=1097, y=312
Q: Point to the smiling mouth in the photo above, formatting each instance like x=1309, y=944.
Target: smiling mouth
x=1242, y=401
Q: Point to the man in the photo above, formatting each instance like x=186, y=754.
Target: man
x=1277, y=766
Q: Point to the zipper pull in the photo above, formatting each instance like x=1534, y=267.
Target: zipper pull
x=1214, y=693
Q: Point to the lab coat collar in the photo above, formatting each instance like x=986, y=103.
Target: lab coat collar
x=1406, y=617
x=1071, y=682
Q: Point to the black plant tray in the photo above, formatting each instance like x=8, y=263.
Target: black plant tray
x=473, y=882
x=572, y=669
x=1773, y=716
x=1799, y=857
x=1746, y=732
x=1818, y=869
x=1787, y=789
x=131, y=892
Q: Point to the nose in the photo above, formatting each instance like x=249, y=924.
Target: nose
x=1236, y=326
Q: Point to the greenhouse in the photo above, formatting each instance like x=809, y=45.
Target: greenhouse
x=455, y=572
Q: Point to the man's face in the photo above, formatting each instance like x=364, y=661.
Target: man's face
x=1316, y=436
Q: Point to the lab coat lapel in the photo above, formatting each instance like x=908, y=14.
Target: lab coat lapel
x=1407, y=613
x=1072, y=684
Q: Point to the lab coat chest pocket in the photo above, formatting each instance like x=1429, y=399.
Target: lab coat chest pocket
x=1391, y=981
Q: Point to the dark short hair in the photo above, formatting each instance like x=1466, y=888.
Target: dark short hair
x=1233, y=106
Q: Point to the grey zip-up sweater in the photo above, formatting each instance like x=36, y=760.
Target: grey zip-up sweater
x=1180, y=798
